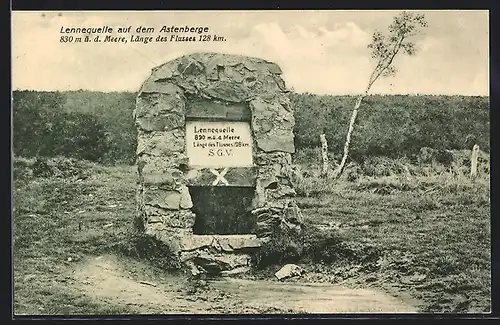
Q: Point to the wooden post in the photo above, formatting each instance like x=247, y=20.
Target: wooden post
x=324, y=155
x=473, y=161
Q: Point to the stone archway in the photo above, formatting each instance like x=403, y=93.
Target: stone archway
x=244, y=96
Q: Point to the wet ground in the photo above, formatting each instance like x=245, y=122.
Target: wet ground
x=111, y=281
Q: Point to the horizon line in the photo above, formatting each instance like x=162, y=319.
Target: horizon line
x=290, y=91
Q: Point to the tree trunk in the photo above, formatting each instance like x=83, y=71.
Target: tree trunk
x=340, y=168
x=324, y=155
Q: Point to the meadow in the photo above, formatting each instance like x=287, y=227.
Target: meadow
x=416, y=227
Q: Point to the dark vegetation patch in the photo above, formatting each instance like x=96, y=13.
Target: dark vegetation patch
x=99, y=126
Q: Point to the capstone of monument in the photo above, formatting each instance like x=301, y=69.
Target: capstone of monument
x=214, y=149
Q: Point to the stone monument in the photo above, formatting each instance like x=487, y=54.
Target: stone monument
x=215, y=138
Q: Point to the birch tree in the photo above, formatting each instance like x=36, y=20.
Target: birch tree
x=384, y=49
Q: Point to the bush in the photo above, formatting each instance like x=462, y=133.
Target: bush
x=114, y=112
x=100, y=127
x=77, y=135
x=33, y=116
x=52, y=123
x=312, y=244
x=22, y=168
x=60, y=167
x=149, y=249
x=392, y=126
x=307, y=181
x=42, y=128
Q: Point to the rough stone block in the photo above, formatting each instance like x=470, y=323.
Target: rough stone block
x=286, y=103
x=280, y=82
x=195, y=242
x=188, y=85
x=226, y=90
x=285, y=118
x=180, y=219
x=266, y=224
x=169, y=177
x=201, y=108
x=155, y=219
x=165, y=235
x=277, y=136
x=282, y=191
x=150, y=105
x=216, y=263
x=277, y=169
x=236, y=271
x=193, y=68
x=289, y=271
x=281, y=140
x=171, y=166
x=172, y=200
x=250, y=65
x=238, y=242
x=274, y=68
x=222, y=243
x=233, y=74
x=279, y=204
x=141, y=146
x=267, y=88
x=188, y=256
x=161, y=143
x=163, y=72
x=166, y=199
x=170, y=121
x=262, y=110
x=268, y=158
x=160, y=86
x=224, y=246
x=186, y=202
x=267, y=177
x=259, y=199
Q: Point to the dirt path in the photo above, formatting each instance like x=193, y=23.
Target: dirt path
x=109, y=280
x=313, y=298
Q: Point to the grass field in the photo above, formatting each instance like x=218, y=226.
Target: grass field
x=433, y=238
x=431, y=235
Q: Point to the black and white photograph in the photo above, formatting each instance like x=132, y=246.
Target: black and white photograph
x=260, y=162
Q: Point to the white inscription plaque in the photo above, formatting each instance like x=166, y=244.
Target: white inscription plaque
x=219, y=144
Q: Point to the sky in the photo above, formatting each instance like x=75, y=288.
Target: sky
x=320, y=52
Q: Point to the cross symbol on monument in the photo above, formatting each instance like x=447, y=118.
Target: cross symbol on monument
x=220, y=176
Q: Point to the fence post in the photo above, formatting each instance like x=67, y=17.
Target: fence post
x=324, y=155
x=473, y=161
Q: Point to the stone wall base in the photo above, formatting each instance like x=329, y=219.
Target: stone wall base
x=212, y=254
